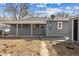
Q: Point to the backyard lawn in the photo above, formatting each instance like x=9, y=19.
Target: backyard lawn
x=37, y=47
x=19, y=47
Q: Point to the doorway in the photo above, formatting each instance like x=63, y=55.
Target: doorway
x=75, y=31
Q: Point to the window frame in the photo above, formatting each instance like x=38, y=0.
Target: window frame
x=59, y=25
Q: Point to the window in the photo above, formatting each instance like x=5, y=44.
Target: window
x=42, y=26
x=59, y=25
x=20, y=26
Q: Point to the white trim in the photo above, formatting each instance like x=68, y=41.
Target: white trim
x=59, y=26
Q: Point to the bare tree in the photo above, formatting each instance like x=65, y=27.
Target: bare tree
x=17, y=10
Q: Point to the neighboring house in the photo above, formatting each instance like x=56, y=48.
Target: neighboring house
x=44, y=27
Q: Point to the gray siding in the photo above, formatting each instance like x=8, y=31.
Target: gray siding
x=39, y=31
x=70, y=29
x=52, y=29
x=25, y=30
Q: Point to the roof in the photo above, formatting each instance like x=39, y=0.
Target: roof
x=75, y=17
x=24, y=22
x=59, y=19
x=35, y=18
x=32, y=20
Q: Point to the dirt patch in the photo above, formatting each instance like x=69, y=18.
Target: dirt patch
x=63, y=48
x=22, y=47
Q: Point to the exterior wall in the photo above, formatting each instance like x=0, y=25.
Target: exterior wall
x=26, y=30
x=52, y=29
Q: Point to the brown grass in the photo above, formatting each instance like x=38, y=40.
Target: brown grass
x=32, y=46
x=20, y=47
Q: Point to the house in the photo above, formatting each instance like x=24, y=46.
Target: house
x=44, y=27
x=31, y=26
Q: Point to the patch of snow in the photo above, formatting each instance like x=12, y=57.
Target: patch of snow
x=44, y=50
x=67, y=38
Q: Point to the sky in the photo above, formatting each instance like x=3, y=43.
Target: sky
x=50, y=8
x=72, y=8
